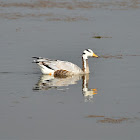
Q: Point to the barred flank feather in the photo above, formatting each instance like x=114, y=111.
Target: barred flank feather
x=62, y=73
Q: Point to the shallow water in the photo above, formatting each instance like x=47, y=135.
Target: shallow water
x=33, y=106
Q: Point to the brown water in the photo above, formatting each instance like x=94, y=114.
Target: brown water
x=39, y=107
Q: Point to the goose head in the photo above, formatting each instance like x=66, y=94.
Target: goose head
x=88, y=53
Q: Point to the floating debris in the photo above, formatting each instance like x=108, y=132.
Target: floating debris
x=120, y=56
x=94, y=116
x=112, y=120
x=121, y=5
x=99, y=37
x=133, y=55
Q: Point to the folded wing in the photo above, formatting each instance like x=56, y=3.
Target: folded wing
x=58, y=65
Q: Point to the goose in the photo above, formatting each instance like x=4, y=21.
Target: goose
x=64, y=68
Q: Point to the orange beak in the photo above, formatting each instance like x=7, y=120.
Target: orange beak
x=94, y=55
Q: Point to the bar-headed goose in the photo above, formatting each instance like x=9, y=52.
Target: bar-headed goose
x=64, y=68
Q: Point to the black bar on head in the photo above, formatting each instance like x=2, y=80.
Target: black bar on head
x=88, y=50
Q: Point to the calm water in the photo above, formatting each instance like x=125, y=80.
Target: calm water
x=37, y=107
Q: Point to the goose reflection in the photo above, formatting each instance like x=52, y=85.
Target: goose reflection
x=88, y=93
x=47, y=82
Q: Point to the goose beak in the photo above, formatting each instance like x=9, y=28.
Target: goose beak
x=94, y=55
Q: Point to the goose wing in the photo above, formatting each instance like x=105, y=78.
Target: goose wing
x=59, y=65
x=65, y=65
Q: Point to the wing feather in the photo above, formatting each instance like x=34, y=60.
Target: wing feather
x=65, y=65
x=59, y=65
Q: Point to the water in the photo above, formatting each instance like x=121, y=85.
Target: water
x=33, y=106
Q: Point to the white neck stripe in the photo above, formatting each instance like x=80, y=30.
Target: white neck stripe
x=85, y=65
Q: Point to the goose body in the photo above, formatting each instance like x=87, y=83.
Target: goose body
x=64, y=68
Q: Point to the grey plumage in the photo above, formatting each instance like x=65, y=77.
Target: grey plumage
x=58, y=65
x=59, y=68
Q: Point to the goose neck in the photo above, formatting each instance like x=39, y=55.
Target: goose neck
x=85, y=65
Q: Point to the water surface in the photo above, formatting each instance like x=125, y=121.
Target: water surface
x=33, y=106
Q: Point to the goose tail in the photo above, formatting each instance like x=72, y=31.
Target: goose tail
x=37, y=59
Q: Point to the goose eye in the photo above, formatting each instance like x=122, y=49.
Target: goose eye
x=83, y=53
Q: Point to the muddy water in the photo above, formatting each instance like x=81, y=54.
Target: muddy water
x=33, y=106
